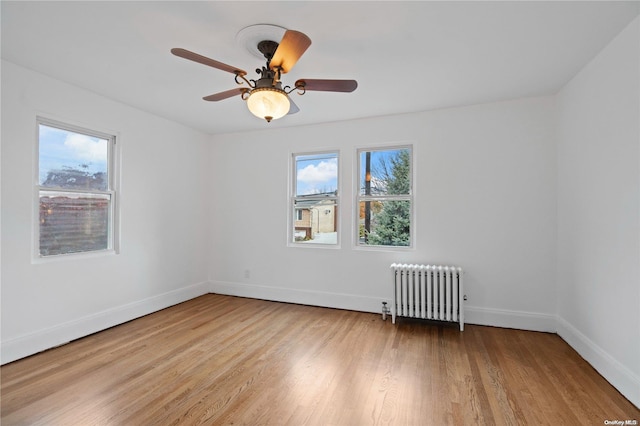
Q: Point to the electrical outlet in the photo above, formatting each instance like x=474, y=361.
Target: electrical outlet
x=247, y=273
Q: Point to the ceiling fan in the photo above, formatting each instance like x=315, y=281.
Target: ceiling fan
x=266, y=97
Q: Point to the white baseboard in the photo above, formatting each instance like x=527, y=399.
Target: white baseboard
x=57, y=335
x=532, y=321
x=473, y=315
x=620, y=377
x=303, y=297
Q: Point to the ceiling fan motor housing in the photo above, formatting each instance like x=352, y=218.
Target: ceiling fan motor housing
x=268, y=48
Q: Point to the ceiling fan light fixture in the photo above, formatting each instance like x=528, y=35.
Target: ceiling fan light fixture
x=269, y=103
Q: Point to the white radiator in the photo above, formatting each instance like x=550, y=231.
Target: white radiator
x=429, y=292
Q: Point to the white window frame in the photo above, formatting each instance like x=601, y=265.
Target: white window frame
x=389, y=197
x=293, y=198
x=111, y=191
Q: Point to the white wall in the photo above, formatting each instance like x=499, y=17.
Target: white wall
x=485, y=195
x=163, y=211
x=599, y=212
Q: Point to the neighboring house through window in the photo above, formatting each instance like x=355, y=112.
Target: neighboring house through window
x=75, y=190
x=314, y=199
x=385, y=197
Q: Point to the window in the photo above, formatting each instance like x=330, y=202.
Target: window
x=314, y=199
x=384, y=197
x=75, y=190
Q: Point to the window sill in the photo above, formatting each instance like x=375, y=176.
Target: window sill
x=384, y=248
x=314, y=245
x=73, y=256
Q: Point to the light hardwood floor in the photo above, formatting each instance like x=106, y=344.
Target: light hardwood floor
x=227, y=360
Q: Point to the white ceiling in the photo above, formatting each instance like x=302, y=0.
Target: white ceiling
x=406, y=56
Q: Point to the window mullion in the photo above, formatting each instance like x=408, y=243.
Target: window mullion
x=73, y=191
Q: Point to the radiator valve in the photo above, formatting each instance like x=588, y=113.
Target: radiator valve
x=385, y=311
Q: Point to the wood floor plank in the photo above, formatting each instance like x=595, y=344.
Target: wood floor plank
x=228, y=360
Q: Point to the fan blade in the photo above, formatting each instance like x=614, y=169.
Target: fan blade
x=186, y=54
x=224, y=95
x=291, y=48
x=293, y=108
x=327, y=85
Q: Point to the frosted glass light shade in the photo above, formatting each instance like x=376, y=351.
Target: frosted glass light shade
x=268, y=103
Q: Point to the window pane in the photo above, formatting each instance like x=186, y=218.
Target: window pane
x=71, y=160
x=385, y=172
x=316, y=174
x=385, y=223
x=315, y=221
x=72, y=223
